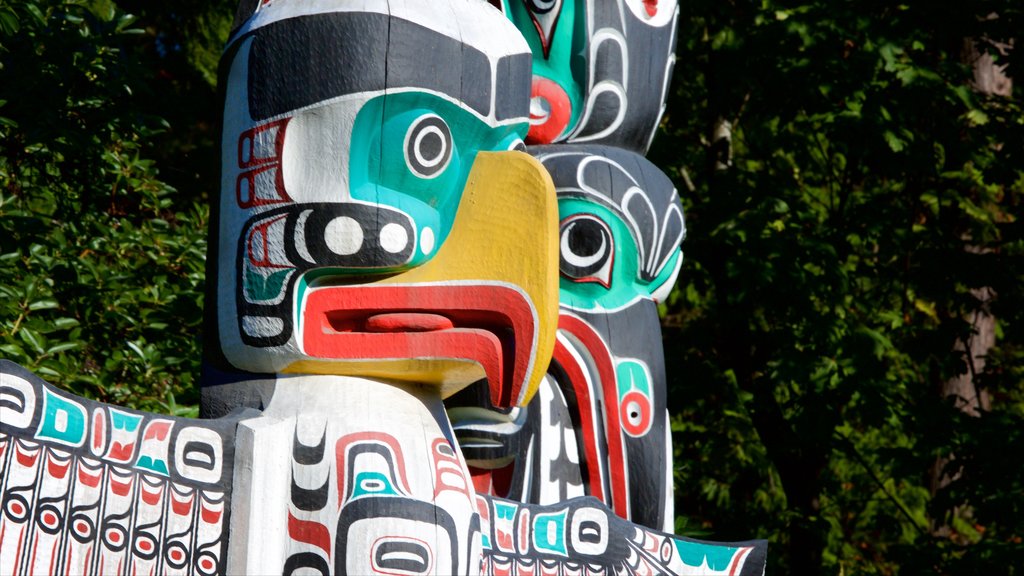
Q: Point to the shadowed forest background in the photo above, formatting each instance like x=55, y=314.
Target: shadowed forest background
x=845, y=345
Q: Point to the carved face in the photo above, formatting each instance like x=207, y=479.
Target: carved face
x=601, y=68
x=366, y=198
x=620, y=232
x=601, y=418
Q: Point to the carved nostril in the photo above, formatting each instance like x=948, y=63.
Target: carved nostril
x=344, y=235
x=427, y=240
x=393, y=238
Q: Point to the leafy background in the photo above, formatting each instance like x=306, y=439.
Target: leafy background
x=853, y=203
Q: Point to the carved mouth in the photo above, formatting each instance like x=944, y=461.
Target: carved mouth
x=448, y=334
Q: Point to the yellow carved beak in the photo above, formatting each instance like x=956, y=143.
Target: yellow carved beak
x=486, y=305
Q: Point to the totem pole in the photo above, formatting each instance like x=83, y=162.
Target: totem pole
x=380, y=244
x=371, y=200
x=599, y=426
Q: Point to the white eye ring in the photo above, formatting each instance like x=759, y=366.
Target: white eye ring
x=577, y=260
x=595, y=263
x=541, y=6
x=428, y=146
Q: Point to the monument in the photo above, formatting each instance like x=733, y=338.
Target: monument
x=381, y=242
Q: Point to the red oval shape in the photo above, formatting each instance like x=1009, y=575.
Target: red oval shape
x=407, y=322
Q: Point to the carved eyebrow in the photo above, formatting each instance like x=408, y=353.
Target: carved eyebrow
x=293, y=63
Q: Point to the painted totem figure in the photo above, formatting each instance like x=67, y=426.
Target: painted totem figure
x=599, y=425
x=380, y=244
x=371, y=197
x=90, y=488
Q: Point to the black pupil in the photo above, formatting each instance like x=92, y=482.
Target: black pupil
x=431, y=145
x=585, y=238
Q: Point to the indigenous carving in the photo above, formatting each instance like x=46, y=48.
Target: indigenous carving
x=89, y=488
x=356, y=177
x=381, y=243
x=599, y=423
x=601, y=68
x=392, y=248
x=582, y=536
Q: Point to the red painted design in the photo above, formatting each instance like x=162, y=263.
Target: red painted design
x=549, y=568
x=523, y=523
x=211, y=512
x=313, y=533
x=121, y=452
x=57, y=467
x=89, y=477
x=545, y=130
x=504, y=534
x=636, y=400
x=35, y=551
x=502, y=566
x=99, y=424
x=151, y=494
x=26, y=456
x=737, y=560
x=348, y=440
x=581, y=388
x=407, y=322
x=120, y=486
x=258, y=244
x=246, y=192
x=494, y=481
x=598, y=351
x=447, y=469
x=181, y=504
x=17, y=553
x=526, y=568
x=53, y=557
x=652, y=7
x=493, y=324
x=158, y=430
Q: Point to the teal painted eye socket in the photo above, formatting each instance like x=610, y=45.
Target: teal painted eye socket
x=428, y=146
x=599, y=260
x=586, y=250
x=413, y=151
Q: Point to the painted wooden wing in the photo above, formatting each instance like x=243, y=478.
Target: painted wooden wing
x=582, y=536
x=91, y=488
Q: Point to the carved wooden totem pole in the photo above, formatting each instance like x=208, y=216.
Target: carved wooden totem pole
x=382, y=243
x=601, y=70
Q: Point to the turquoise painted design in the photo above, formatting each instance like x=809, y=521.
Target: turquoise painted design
x=504, y=511
x=260, y=287
x=549, y=532
x=695, y=554
x=63, y=420
x=372, y=484
x=564, y=63
x=124, y=421
x=156, y=465
x=413, y=151
x=624, y=284
x=632, y=375
x=153, y=448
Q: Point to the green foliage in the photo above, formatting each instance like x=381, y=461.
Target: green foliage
x=834, y=252
x=101, y=260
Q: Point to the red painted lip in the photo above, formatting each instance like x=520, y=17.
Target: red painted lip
x=593, y=345
x=493, y=325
